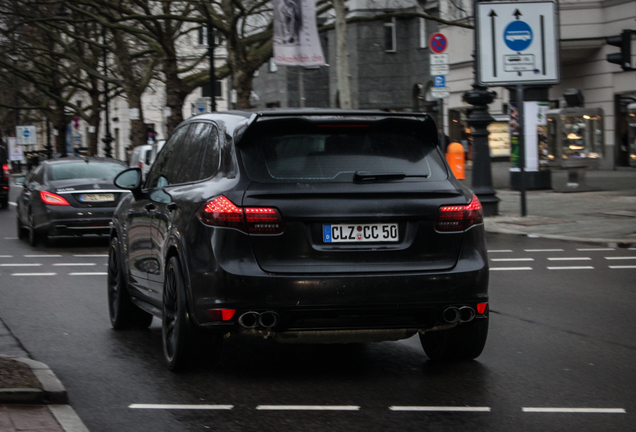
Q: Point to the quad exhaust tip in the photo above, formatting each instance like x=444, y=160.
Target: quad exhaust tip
x=252, y=319
x=462, y=314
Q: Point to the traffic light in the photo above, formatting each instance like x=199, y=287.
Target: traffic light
x=624, y=42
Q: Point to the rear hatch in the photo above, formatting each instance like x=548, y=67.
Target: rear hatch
x=355, y=196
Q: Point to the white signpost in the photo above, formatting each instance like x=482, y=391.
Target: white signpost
x=517, y=43
x=201, y=105
x=26, y=135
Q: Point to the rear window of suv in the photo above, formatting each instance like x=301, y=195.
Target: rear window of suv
x=293, y=151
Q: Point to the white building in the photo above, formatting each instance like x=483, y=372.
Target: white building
x=584, y=27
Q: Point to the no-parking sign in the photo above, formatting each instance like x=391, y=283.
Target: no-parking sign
x=438, y=43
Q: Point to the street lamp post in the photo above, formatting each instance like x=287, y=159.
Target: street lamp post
x=108, y=139
x=478, y=121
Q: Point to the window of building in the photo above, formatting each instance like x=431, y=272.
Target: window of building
x=423, y=38
x=218, y=90
x=202, y=37
x=390, y=36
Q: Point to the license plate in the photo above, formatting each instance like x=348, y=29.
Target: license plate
x=352, y=233
x=98, y=197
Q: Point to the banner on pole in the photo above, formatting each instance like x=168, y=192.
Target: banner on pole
x=296, y=41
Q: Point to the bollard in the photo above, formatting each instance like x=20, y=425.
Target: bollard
x=456, y=159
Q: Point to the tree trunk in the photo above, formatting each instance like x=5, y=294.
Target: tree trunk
x=242, y=83
x=94, y=121
x=138, y=133
x=342, y=61
x=175, y=95
x=60, y=124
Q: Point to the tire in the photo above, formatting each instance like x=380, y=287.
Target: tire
x=122, y=311
x=176, y=331
x=33, y=235
x=461, y=343
x=179, y=335
x=22, y=233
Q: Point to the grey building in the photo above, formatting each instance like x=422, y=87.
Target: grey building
x=388, y=66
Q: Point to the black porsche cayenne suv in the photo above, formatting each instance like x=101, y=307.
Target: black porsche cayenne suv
x=308, y=226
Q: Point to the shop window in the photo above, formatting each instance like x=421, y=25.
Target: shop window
x=423, y=38
x=390, y=36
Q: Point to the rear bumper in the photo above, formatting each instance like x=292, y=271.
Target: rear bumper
x=71, y=221
x=337, y=302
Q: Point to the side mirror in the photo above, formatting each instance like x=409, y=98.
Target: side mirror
x=130, y=179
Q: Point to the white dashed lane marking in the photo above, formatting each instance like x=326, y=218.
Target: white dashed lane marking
x=544, y=250
x=511, y=259
x=575, y=410
x=21, y=265
x=33, y=274
x=91, y=255
x=621, y=258
x=88, y=274
x=74, y=264
x=43, y=256
x=500, y=251
x=571, y=268
x=570, y=259
x=623, y=267
x=395, y=408
x=181, y=407
x=509, y=268
x=595, y=249
x=440, y=408
x=308, y=408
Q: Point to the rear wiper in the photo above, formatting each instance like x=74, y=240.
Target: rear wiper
x=365, y=176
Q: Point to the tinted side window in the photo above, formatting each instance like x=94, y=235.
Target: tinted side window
x=185, y=166
x=211, y=157
x=160, y=169
x=38, y=175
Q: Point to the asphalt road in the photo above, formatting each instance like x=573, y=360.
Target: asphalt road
x=559, y=355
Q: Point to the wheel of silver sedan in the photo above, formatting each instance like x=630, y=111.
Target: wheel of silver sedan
x=123, y=313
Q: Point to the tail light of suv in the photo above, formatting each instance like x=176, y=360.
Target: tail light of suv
x=459, y=218
x=5, y=172
x=220, y=211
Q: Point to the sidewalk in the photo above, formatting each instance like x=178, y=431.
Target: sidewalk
x=31, y=396
x=607, y=215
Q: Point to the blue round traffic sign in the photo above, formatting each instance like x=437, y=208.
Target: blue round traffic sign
x=26, y=133
x=518, y=35
x=438, y=43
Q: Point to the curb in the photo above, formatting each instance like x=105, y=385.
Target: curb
x=53, y=391
x=494, y=227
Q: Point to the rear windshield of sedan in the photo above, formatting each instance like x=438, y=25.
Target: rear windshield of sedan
x=334, y=152
x=81, y=169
